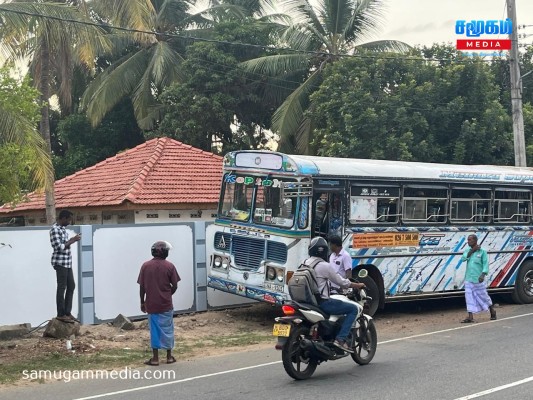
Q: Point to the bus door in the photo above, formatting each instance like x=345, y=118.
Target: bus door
x=328, y=209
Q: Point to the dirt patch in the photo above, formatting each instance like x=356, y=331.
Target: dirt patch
x=209, y=334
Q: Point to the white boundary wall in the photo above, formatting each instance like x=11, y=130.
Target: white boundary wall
x=106, y=265
x=27, y=279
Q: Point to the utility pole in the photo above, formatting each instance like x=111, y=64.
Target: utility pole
x=516, y=91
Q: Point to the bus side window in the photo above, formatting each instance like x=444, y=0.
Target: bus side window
x=425, y=204
x=321, y=215
x=373, y=204
x=470, y=205
x=512, y=206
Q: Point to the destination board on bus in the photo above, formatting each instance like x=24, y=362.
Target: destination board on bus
x=387, y=239
x=259, y=160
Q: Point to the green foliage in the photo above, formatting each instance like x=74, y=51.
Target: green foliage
x=217, y=103
x=81, y=146
x=21, y=154
x=401, y=109
x=325, y=31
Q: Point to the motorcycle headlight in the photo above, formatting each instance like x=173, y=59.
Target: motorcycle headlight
x=218, y=262
x=271, y=273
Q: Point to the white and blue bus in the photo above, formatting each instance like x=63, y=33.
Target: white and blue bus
x=405, y=222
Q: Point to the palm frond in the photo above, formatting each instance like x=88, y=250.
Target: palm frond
x=143, y=99
x=104, y=93
x=135, y=14
x=16, y=27
x=171, y=11
x=218, y=12
x=336, y=15
x=383, y=46
x=151, y=116
x=366, y=18
x=288, y=118
x=303, y=12
x=276, y=64
x=165, y=65
x=16, y=129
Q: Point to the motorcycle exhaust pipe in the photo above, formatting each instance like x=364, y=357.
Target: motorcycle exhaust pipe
x=317, y=348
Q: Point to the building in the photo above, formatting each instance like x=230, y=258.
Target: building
x=162, y=180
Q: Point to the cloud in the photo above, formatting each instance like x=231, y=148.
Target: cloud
x=415, y=29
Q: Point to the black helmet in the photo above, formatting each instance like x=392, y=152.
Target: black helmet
x=318, y=248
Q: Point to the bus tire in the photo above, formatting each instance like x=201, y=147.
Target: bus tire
x=524, y=283
x=373, y=291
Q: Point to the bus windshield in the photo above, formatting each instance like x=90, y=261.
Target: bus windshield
x=272, y=207
x=236, y=202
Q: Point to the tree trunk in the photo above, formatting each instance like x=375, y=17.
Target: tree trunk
x=44, y=126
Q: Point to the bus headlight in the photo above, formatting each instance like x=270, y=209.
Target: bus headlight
x=280, y=275
x=218, y=262
x=225, y=263
x=271, y=273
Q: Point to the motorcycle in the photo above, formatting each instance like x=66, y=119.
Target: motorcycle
x=306, y=334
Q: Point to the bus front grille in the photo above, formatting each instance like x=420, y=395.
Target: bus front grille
x=248, y=252
x=276, y=252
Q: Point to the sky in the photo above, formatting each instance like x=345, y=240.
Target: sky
x=428, y=21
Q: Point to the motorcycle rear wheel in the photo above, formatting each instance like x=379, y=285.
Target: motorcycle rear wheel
x=364, y=345
x=293, y=357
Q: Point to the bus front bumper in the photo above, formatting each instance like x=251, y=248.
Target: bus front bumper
x=251, y=292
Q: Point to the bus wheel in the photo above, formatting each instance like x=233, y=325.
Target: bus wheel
x=373, y=291
x=524, y=283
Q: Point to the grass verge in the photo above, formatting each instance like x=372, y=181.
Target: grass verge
x=18, y=370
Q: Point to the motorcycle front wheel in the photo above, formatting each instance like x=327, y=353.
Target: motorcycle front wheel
x=295, y=362
x=365, y=342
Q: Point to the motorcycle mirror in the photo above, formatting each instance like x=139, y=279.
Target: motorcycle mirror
x=363, y=273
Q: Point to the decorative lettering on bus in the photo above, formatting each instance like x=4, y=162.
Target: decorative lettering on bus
x=251, y=180
x=369, y=240
x=469, y=175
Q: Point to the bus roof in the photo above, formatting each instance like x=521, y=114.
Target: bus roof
x=366, y=168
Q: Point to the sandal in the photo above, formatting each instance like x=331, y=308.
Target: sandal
x=493, y=317
x=171, y=360
x=151, y=362
x=467, y=321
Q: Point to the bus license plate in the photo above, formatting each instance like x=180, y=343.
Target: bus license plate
x=281, y=330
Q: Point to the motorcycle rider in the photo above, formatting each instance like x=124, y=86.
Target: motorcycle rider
x=325, y=273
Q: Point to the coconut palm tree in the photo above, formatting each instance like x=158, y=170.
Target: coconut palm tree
x=319, y=35
x=151, y=54
x=44, y=33
x=17, y=129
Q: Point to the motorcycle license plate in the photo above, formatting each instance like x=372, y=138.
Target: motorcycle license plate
x=282, y=330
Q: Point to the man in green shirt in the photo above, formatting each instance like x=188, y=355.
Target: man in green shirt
x=477, y=268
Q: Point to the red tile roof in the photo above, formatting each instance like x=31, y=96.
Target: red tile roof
x=160, y=171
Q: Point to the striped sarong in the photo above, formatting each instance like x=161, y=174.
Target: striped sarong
x=477, y=298
x=162, y=330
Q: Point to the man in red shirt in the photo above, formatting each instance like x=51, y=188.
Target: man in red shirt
x=158, y=281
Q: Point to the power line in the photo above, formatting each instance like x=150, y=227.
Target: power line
x=216, y=41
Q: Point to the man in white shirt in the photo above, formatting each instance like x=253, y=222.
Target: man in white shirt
x=340, y=260
x=325, y=275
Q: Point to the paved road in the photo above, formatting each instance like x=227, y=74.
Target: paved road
x=449, y=365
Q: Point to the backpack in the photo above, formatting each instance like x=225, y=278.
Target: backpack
x=303, y=285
